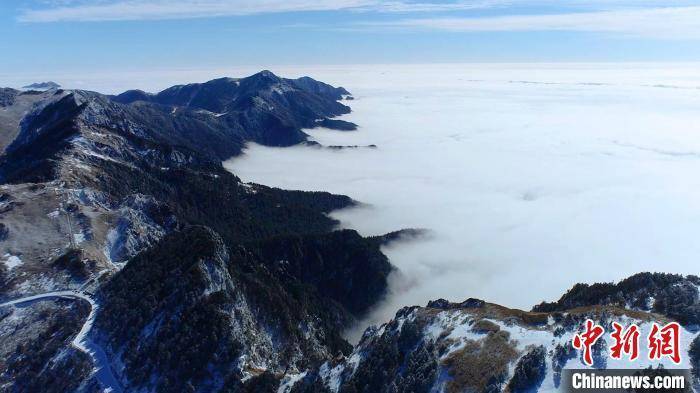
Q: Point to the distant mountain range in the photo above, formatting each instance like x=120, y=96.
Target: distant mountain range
x=42, y=86
x=132, y=261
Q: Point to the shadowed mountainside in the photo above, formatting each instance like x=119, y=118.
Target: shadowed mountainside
x=178, y=251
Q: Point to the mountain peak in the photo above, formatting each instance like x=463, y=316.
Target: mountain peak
x=265, y=74
x=132, y=96
x=263, y=91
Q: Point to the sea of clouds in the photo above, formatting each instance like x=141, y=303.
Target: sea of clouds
x=530, y=178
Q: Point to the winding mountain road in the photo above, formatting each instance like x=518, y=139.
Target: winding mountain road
x=82, y=342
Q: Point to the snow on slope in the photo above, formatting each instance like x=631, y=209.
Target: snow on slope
x=452, y=337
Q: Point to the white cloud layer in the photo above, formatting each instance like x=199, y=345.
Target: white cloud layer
x=673, y=19
x=531, y=177
x=186, y=9
x=667, y=22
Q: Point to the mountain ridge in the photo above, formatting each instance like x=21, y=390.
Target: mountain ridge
x=41, y=86
x=204, y=283
x=132, y=182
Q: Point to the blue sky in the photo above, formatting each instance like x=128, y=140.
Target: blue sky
x=78, y=35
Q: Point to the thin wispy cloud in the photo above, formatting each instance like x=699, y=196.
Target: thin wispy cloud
x=667, y=23
x=188, y=9
x=154, y=10
x=399, y=6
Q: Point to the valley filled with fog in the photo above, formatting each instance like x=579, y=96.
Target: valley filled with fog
x=528, y=178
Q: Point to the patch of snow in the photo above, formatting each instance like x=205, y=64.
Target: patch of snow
x=112, y=242
x=550, y=320
x=78, y=238
x=88, y=148
x=152, y=327
x=525, y=337
x=281, y=89
x=331, y=376
x=289, y=381
x=245, y=363
x=250, y=188
x=37, y=283
x=650, y=302
x=354, y=361
x=90, y=197
x=12, y=261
